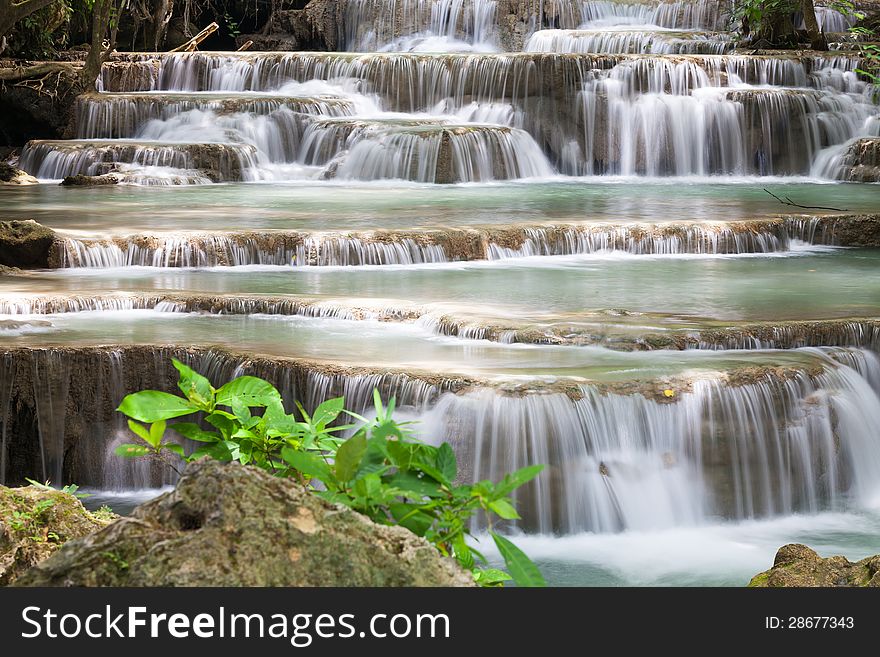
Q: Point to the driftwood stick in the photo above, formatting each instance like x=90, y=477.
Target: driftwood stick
x=193, y=43
x=788, y=201
x=245, y=46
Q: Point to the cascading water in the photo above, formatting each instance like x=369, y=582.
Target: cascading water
x=628, y=462
x=496, y=213
x=419, y=25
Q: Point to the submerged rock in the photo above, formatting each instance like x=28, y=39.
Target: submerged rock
x=231, y=525
x=25, y=244
x=81, y=180
x=35, y=522
x=798, y=565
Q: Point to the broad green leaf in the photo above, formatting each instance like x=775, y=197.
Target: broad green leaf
x=349, y=455
x=220, y=420
x=463, y=553
x=154, y=405
x=414, y=486
x=193, y=431
x=140, y=430
x=491, y=577
x=192, y=384
x=522, y=569
x=516, y=479
x=327, y=412
x=446, y=463
x=157, y=431
x=250, y=390
x=240, y=409
x=411, y=517
x=308, y=464
x=219, y=451
x=277, y=420
x=504, y=509
x=132, y=451
x=370, y=488
x=177, y=449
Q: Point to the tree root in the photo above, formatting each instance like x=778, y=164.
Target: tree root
x=41, y=70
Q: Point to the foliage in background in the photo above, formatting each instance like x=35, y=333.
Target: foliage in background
x=380, y=470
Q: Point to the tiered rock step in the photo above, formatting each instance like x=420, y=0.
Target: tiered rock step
x=613, y=329
x=206, y=162
x=430, y=150
x=121, y=115
x=414, y=80
x=627, y=294
x=630, y=114
x=413, y=247
x=720, y=424
x=634, y=41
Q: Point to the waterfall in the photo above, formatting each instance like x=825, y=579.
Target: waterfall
x=774, y=446
x=419, y=25
x=626, y=41
x=447, y=245
x=196, y=162
x=753, y=443
x=390, y=115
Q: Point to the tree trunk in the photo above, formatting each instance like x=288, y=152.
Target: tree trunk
x=105, y=22
x=816, y=36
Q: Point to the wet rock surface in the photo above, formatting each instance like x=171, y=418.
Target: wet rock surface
x=861, y=163
x=797, y=565
x=9, y=175
x=231, y=525
x=25, y=244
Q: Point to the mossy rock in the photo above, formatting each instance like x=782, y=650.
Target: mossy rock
x=797, y=565
x=35, y=522
x=230, y=525
x=25, y=244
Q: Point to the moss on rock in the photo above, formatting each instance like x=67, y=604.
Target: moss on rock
x=25, y=244
x=35, y=522
x=798, y=565
x=231, y=525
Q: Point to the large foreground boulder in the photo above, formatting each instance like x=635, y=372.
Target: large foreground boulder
x=231, y=525
x=25, y=244
x=35, y=522
x=798, y=565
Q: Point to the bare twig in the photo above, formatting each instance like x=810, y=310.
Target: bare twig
x=788, y=201
x=193, y=43
x=245, y=46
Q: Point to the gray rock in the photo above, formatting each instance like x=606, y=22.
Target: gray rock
x=232, y=525
x=798, y=565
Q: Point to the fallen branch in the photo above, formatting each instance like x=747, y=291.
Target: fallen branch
x=788, y=201
x=193, y=43
x=245, y=46
x=19, y=73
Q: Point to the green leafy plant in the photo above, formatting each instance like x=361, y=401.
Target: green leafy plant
x=375, y=466
x=70, y=489
x=870, y=52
